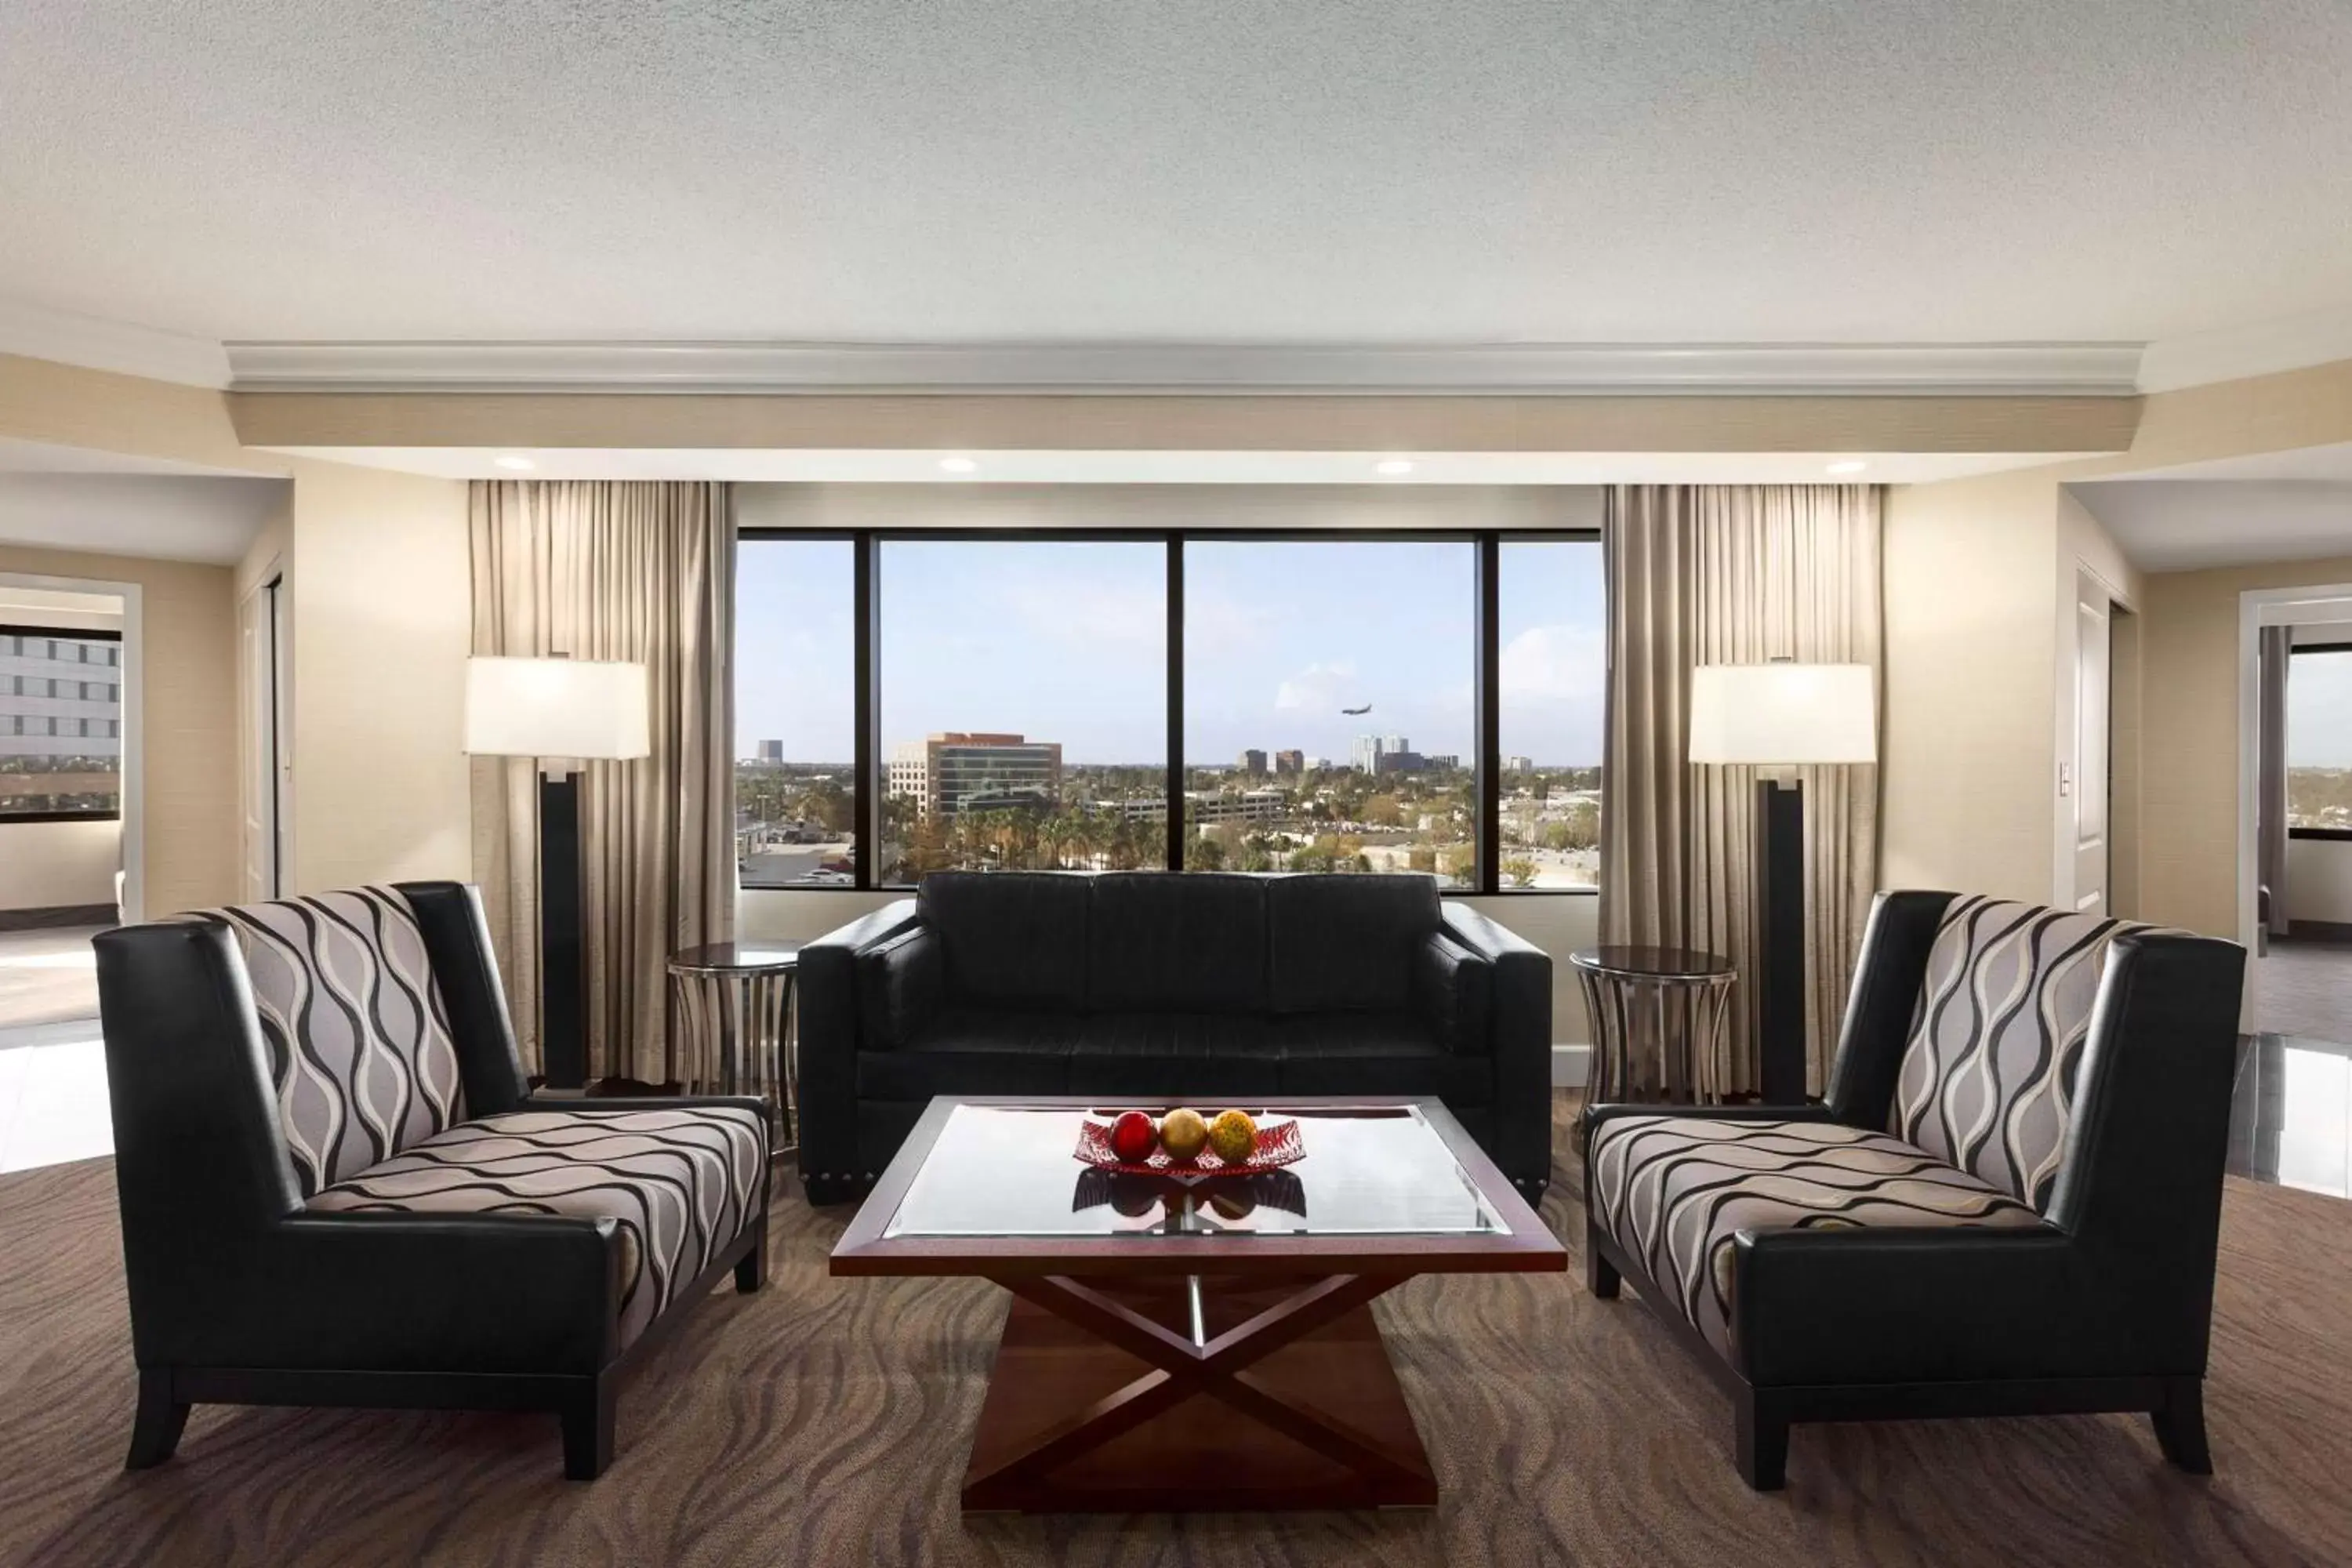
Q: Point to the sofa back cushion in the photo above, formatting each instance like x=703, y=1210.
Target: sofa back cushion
x=1343, y=941
x=360, y=1053
x=1011, y=939
x=1988, y=1076
x=1177, y=941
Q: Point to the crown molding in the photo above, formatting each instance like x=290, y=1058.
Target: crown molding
x=64, y=338
x=2266, y=348
x=1196, y=369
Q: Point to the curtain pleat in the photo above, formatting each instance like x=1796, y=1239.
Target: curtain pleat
x=642, y=572
x=1734, y=575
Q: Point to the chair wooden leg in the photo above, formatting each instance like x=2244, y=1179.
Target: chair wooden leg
x=1763, y=1441
x=1600, y=1276
x=156, y=1426
x=588, y=1429
x=2180, y=1425
x=751, y=1268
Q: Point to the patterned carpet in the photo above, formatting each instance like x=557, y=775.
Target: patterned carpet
x=824, y=1422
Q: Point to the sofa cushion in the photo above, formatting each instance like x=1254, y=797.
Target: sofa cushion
x=1673, y=1191
x=682, y=1185
x=1012, y=939
x=973, y=1050
x=1148, y=1057
x=1347, y=941
x=1988, y=1077
x=1376, y=1053
x=360, y=1053
x=1162, y=940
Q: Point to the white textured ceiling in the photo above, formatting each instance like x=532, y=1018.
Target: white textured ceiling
x=1366, y=171
x=2184, y=525
x=171, y=518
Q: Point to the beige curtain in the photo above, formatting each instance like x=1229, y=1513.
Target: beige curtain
x=644, y=571
x=1734, y=575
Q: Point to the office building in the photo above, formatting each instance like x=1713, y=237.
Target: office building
x=960, y=771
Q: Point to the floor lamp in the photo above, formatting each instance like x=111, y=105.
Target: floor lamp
x=1778, y=716
x=563, y=711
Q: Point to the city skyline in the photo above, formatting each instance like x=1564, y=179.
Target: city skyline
x=1067, y=641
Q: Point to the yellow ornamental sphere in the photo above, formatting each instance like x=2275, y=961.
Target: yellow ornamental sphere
x=1183, y=1134
x=1234, y=1136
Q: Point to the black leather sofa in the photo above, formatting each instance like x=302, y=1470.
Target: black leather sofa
x=1155, y=986
x=336, y=1188
x=2010, y=1204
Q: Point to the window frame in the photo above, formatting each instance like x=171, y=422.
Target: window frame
x=83, y=635
x=1487, y=655
x=2331, y=835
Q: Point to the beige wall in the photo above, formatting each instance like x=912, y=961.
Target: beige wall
x=1970, y=758
x=2189, y=858
x=187, y=718
x=383, y=623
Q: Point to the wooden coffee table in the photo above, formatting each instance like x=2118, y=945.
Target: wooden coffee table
x=1178, y=1346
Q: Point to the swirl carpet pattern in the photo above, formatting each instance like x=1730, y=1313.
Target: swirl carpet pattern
x=824, y=1422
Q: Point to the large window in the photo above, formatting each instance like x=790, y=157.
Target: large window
x=1023, y=702
x=1554, y=625
x=1330, y=721
x=60, y=724
x=915, y=701
x=796, y=798
x=2319, y=741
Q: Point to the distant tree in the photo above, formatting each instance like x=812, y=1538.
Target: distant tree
x=1383, y=810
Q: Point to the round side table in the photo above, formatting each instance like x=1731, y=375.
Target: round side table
x=737, y=996
x=1658, y=1016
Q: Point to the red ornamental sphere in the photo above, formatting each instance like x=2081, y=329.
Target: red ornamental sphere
x=1133, y=1137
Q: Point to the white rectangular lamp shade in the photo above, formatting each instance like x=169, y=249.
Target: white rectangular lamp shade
x=1783, y=714
x=555, y=708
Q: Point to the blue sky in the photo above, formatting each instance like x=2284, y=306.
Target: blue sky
x=1067, y=642
x=2319, y=710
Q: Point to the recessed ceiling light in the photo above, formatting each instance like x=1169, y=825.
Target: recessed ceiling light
x=1848, y=466
x=1393, y=466
x=515, y=462
x=958, y=465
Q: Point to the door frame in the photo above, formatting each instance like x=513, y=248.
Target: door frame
x=2120, y=602
x=134, y=723
x=2257, y=608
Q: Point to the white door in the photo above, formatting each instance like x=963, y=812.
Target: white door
x=2087, y=787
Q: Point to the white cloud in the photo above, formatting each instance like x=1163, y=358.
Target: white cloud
x=1328, y=687
x=1553, y=664
x=1090, y=614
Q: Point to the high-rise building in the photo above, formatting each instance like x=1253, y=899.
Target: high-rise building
x=60, y=721
x=1252, y=762
x=1517, y=765
x=960, y=771
x=1382, y=754
x=1290, y=762
x=771, y=751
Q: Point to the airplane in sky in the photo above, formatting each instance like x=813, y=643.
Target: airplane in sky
x=1351, y=712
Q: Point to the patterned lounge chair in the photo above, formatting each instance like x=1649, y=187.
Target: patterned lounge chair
x=2009, y=1205
x=336, y=1188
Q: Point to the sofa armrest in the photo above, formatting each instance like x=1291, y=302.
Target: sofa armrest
x=400, y=1292
x=1924, y=1303
x=829, y=1035
x=900, y=982
x=1519, y=1032
x=1453, y=989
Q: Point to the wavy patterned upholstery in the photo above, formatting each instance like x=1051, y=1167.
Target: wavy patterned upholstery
x=360, y=1052
x=1988, y=1076
x=681, y=1182
x=1673, y=1191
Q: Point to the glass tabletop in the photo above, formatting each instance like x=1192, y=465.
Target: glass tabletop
x=1012, y=1170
